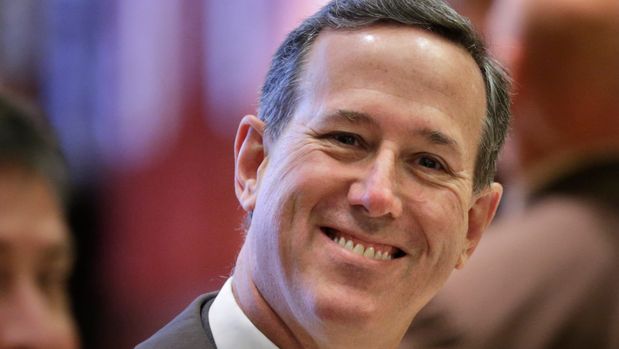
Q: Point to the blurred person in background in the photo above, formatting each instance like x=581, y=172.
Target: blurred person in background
x=36, y=252
x=548, y=276
x=367, y=178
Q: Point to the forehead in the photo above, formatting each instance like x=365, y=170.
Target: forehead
x=411, y=57
x=406, y=68
x=31, y=217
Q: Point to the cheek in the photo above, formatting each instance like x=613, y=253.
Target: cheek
x=444, y=221
x=284, y=198
x=71, y=340
x=442, y=207
x=64, y=333
x=293, y=179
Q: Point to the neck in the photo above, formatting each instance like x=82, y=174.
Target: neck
x=256, y=307
x=289, y=332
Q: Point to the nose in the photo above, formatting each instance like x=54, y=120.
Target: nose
x=26, y=320
x=376, y=190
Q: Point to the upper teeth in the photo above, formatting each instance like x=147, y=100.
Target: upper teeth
x=361, y=250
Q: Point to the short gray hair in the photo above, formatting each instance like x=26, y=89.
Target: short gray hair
x=280, y=90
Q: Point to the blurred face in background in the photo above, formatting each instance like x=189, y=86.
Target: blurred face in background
x=36, y=258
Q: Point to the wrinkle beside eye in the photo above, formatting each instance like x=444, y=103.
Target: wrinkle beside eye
x=447, y=178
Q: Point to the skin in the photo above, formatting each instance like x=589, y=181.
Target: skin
x=381, y=148
x=35, y=262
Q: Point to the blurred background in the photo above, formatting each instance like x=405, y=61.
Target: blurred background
x=145, y=97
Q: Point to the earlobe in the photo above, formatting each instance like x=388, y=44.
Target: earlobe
x=249, y=155
x=480, y=216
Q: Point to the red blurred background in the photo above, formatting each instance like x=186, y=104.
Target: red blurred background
x=145, y=97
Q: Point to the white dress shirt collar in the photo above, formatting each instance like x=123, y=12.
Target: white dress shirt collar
x=231, y=328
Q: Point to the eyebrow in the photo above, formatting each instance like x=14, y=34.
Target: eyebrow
x=431, y=135
x=437, y=137
x=353, y=117
x=58, y=251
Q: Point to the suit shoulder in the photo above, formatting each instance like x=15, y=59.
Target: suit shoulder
x=186, y=330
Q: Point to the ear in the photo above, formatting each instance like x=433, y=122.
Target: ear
x=480, y=216
x=248, y=156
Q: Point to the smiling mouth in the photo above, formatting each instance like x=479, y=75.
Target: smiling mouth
x=363, y=248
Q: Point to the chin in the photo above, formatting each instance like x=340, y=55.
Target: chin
x=345, y=305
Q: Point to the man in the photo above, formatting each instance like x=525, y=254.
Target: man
x=36, y=255
x=548, y=277
x=367, y=180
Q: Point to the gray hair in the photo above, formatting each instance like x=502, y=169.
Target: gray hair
x=280, y=90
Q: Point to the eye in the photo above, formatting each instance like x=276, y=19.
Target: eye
x=348, y=139
x=51, y=282
x=431, y=163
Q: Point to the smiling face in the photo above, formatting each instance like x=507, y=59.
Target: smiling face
x=35, y=261
x=364, y=205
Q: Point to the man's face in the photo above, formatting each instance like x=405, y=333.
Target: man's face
x=35, y=261
x=363, y=203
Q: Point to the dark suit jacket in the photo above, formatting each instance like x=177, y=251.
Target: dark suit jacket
x=189, y=330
